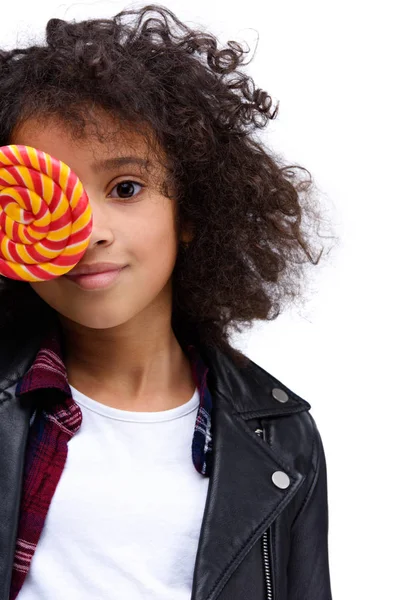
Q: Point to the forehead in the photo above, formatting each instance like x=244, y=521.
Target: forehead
x=102, y=138
x=96, y=142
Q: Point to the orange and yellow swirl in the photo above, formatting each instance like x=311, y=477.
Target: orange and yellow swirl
x=45, y=215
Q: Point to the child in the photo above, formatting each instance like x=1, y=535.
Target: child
x=141, y=455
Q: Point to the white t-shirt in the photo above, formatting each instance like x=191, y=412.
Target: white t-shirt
x=125, y=519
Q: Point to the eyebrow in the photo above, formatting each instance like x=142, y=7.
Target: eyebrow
x=120, y=161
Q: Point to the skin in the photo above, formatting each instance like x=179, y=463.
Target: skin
x=120, y=346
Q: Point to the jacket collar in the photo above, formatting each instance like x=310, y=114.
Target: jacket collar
x=249, y=389
x=241, y=502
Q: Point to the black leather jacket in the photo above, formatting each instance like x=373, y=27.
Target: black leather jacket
x=264, y=533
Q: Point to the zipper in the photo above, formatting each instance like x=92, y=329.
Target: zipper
x=266, y=547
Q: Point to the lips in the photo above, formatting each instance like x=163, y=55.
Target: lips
x=92, y=277
x=94, y=268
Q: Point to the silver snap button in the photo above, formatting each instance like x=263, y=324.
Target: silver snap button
x=280, y=479
x=280, y=395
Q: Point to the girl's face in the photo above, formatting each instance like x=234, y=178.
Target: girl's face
x=133, y=228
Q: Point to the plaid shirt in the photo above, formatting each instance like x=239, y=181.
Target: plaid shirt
x=57, y=419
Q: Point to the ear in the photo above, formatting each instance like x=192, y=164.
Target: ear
x=187, y=234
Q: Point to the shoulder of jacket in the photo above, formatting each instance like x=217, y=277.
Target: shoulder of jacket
x=261, y=399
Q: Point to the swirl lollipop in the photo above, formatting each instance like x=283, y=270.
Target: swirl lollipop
x=45, y=215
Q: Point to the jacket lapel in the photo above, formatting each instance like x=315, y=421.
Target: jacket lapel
x=242, y=500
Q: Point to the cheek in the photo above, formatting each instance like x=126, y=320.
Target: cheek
x=153, y=261
x=151, y=240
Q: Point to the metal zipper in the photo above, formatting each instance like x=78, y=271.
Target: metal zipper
x=265, y=550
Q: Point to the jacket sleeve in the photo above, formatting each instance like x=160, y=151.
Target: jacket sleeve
x=308, y=568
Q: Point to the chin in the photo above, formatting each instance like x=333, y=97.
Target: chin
x=94, y=320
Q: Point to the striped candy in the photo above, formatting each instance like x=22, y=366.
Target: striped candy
x=45, y=215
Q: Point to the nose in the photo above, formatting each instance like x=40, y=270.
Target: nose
x=102, y=232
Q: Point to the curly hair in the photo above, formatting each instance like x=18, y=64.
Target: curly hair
x=254, y=219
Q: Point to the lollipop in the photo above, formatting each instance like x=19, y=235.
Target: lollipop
x=45, y=215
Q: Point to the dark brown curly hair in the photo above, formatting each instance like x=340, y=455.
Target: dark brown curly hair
x=254, y=219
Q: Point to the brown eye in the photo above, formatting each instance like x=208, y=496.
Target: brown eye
x=126, y=189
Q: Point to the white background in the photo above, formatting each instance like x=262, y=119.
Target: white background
x=334, y=67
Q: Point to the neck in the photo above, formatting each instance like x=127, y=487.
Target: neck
x=128, y=367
